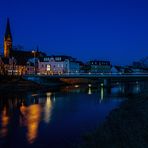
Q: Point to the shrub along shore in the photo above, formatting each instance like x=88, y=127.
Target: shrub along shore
x=125, y=127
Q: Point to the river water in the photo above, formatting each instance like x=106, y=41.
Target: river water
x=59, y=118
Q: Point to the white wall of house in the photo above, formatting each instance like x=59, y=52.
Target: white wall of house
x=51, y=67
x=57, y=67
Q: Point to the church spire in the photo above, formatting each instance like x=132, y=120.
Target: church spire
x=8, y=30
x=7, y=40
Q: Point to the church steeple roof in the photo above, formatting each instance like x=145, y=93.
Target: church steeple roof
x=8, y=30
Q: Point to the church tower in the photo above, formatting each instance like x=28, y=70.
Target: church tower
x=7, y=41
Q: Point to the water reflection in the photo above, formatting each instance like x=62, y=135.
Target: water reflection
x=89, y=91
x=30, y=117
x=136, y=88
x=23, y=115
x=71, y=109
x=4, y=123
x=33, y=120
x=48, y=108
x=102, y=93
x=127, y=88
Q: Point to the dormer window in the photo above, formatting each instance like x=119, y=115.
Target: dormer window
x=58, y=58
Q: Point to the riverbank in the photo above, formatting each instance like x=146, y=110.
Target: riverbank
x=17, y=84
x=125, y=127
x=13, y=84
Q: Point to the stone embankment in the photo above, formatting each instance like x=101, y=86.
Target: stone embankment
x=125, y=127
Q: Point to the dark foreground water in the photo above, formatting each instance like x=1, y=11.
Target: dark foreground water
x=57, y=119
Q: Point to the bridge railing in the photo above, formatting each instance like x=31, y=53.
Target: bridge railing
x=93, y=74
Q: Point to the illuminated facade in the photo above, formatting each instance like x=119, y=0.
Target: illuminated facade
x=7, y=41
x=58, y=65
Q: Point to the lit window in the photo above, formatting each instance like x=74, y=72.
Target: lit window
x=48, y=67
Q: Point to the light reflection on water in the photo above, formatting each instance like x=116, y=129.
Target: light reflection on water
x=52, y=116
x=48, y=108
x=30, y=118
x=4, y=123
x=102, y=94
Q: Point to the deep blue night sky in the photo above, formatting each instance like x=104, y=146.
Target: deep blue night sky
x=115, y=30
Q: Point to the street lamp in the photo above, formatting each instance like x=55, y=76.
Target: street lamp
x=34, y=54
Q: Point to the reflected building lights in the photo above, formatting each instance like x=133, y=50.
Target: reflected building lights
x=123, y=89
x=89, y=85
x=5, y=122
x=76, y=86
x=33, y=120
x=120, y=88
x=102, y=93
x=48, y=108
x=23, y=110
x=137, y=88
x=89, y=91
x=54, y=98
x=30, y=117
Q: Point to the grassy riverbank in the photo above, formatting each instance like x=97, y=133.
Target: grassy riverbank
x=125, y=127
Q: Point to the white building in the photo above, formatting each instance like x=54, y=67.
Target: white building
x=57, y=65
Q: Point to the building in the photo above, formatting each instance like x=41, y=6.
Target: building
x=30, y=68
x=58, y=65
x=15, y=60
x=7, y=41
x=84, y=68
x=97, y=66
x=23, y=55
x=136, y=70
x=9, y=66
x=2, y=67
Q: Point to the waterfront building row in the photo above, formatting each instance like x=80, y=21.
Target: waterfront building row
x=50, y=65
x=17, y=61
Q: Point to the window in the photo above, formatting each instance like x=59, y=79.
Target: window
x=46, y=59
x=48, y=67
x=58, y=58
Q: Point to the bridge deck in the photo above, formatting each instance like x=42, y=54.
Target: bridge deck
x=91, y=76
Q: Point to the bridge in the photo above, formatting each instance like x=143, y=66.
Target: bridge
x=105, y=78
x=92, y=75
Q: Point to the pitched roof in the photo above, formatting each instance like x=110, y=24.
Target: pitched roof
x=56, y=58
